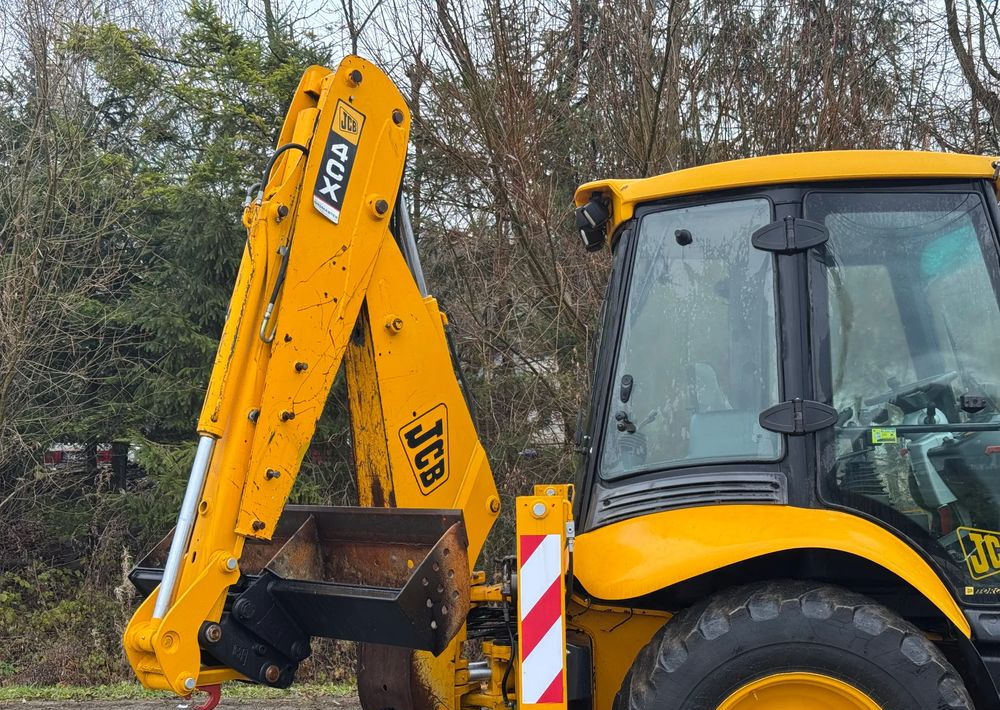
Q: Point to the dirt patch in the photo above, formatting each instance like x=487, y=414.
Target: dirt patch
x=317, y=703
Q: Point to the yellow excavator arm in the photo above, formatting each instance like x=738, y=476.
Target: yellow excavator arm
x=684, y=570
x=324, y=280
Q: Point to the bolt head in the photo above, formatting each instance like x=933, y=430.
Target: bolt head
x=272, y=673
x=397, y=116
x=538, y=510
x=381, y=207
x=244, y=609
x=258, y=525
x=213, y=633
x=354, y=78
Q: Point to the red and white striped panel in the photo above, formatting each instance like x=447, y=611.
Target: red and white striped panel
x=543, y=650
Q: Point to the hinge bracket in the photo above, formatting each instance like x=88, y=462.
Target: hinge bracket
x=790, y=235
x=798, y=416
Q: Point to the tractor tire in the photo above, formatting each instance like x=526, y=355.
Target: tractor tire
x=786, y=644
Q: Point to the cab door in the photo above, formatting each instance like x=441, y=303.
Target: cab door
x=906, y=346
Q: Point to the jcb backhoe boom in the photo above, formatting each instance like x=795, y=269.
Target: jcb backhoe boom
x=323, y=281
x=789, y=477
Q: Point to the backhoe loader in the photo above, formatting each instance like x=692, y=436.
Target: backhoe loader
x=789, y=483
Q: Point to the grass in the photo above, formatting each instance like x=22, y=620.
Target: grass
x=134, y=691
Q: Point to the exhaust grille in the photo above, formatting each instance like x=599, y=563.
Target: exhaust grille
x=689, y=490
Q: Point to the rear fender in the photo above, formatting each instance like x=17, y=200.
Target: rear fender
x=645, y=554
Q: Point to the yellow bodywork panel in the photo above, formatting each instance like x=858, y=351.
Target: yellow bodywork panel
x=615, y=635
x=624, y=195
x=615, y=562
x=321, y=281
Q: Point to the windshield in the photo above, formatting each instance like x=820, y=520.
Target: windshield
x=914, y=353
x=697, y=357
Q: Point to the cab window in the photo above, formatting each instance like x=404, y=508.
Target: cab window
x=914, y=351
x=697, y=357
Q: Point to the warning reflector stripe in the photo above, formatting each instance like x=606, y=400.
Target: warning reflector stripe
x=542, y=646
x=534, y=625
x=543, y=666
x=554, y=693
x=530, y=543
x=538, y=571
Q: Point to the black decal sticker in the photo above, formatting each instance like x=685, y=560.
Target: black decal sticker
x=338, y=161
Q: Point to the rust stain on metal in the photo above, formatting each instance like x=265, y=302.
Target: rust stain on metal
x=300, y=557
x=388, y=677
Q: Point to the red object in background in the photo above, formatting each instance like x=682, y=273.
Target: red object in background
x=61, y=455
x=214, y=696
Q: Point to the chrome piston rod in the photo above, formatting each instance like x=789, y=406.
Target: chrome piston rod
x=185, y=522
x=410, y=247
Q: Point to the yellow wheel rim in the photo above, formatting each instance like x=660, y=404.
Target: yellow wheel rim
x=798, y=691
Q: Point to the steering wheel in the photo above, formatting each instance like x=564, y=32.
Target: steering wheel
x=912, y=388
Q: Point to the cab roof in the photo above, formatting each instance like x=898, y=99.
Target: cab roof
x=624, y=195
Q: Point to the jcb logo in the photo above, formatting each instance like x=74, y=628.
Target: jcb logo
x=981, y=549
x=426, y=442
x=348, y=124
x=347, y=121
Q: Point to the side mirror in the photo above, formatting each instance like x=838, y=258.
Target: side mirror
x=591, y=220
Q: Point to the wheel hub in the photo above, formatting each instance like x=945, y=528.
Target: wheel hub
x=795, y=691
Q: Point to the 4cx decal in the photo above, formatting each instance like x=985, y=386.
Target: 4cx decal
x=981, y=549
x=338, y=160
x=426, y=442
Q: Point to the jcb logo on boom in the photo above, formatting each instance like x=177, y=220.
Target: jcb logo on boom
x=426, y=442
x=348, y=124
x=981, y=549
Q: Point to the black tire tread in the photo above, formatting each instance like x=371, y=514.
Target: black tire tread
x=701, y=624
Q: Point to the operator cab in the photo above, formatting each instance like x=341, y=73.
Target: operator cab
x=819, y=330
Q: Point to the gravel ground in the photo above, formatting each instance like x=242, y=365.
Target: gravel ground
x=318, y=703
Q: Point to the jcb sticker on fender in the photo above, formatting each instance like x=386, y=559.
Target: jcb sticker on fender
x=338, y=161
x=426, y=442
x=981, y=549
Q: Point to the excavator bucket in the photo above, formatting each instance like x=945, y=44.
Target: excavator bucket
x=375, y=575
